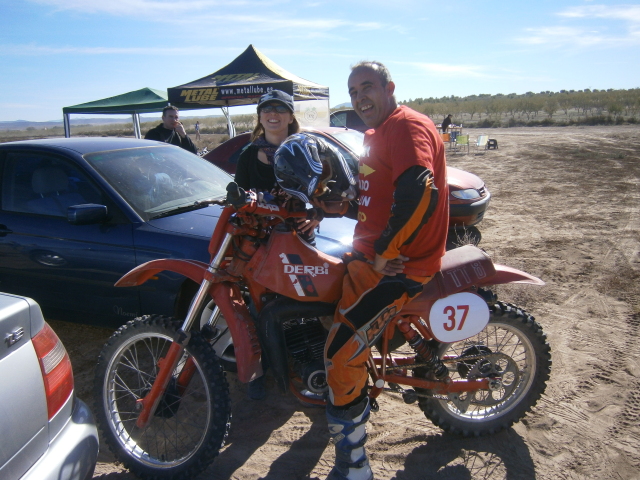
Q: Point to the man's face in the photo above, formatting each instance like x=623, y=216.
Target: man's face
x=170, y=119
x=372, y=102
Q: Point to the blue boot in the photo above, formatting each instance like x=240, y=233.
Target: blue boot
x=349, y=434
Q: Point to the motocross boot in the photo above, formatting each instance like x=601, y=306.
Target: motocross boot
x=348, y=434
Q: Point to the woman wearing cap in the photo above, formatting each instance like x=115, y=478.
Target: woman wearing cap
x=276, y=121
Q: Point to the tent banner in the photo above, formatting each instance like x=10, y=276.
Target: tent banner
x=188, y=96
x=312, y=113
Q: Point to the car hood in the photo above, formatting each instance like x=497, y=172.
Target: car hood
x=198, y=222
x=461, y=179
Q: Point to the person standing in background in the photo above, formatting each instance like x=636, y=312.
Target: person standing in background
x=171, y=130
x=445, y=123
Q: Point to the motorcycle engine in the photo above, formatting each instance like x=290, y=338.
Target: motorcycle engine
x=305, y=338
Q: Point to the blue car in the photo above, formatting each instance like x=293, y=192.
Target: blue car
x=76, y=214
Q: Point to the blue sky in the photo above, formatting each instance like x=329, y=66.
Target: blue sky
x=56, y=53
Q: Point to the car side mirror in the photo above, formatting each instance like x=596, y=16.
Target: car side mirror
x=86, y=214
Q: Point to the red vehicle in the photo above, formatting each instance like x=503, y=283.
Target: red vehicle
x=474, y=365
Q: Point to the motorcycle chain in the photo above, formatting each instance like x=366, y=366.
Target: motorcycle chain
x=449, y=360
x=399, y=390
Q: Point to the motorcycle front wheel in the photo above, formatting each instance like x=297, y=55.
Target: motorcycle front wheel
x=190, y=424
x=512, y=349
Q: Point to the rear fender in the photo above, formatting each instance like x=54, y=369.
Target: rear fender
x=192, y=269
x=506, y=274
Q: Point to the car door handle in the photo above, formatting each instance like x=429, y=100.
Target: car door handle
x=4, y=230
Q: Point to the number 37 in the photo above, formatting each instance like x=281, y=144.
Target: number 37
x=451, y=317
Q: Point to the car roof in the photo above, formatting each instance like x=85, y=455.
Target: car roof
x=84, y=145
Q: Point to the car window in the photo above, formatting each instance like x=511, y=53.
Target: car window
x=154, y=180
x=339, y=119
x=44, y=184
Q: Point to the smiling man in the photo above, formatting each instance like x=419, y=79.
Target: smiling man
x=398, y=244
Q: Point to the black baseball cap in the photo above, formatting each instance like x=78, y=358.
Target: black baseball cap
x=277, y=96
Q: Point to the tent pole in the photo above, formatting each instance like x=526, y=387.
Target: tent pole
x=230, y=128
x=136, y=124
x=67, y=125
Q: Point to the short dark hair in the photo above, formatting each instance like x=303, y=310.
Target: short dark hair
x=377, y=67
x=169, y=107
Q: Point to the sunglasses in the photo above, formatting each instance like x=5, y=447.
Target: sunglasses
x=274, y=108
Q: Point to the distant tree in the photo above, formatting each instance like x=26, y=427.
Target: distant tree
x=550, y=106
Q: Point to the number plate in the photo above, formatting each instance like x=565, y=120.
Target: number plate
x=458, y=316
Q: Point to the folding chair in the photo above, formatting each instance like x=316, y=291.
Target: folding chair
x=462, y=141
x=446, y=138
x=482, y=142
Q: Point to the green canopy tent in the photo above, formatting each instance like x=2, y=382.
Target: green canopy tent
x=244, y=81
x=145, y=100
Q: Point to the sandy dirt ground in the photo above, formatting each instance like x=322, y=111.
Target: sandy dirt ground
x=565, y=207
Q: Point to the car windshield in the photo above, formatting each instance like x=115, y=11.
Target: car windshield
x=158, y=180
x=351, y=138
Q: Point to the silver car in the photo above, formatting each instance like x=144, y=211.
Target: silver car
x=46, y=432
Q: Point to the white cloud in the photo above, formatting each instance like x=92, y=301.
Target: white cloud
x=628, y=13
x=562, y=36
x=152, y=8
x=34, y=50
x=450, y=70
x=592, y=36
x=214, y=18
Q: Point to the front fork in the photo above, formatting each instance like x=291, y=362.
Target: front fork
x=147, y=405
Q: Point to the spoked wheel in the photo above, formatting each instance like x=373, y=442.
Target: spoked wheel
x=190, y=424
x=512, y=351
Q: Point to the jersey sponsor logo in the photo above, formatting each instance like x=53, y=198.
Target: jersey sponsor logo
x=362, y=217
x=365, y=169
x=301, y=275
x=364, y=200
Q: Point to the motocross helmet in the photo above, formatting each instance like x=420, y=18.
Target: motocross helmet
x=308, y=167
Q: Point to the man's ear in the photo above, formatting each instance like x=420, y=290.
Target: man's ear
x=391, y=87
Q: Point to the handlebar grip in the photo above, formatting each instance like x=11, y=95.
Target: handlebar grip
x=236, y=196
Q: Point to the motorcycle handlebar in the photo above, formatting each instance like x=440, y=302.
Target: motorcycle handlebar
x=251, y=203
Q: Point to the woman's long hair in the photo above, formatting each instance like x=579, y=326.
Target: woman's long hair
x=294, y=127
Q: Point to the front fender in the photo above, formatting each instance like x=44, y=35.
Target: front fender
x=246, y=343
x=192, y=269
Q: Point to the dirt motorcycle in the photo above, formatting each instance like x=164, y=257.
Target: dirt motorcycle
x=474, y=365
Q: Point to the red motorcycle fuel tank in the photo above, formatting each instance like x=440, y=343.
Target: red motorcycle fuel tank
x=291, y=267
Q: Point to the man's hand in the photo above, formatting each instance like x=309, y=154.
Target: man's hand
x=390, y=267
x=179, y=128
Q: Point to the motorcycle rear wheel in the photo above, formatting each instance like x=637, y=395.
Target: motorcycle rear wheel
x=188, y=430
x=524, y=368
